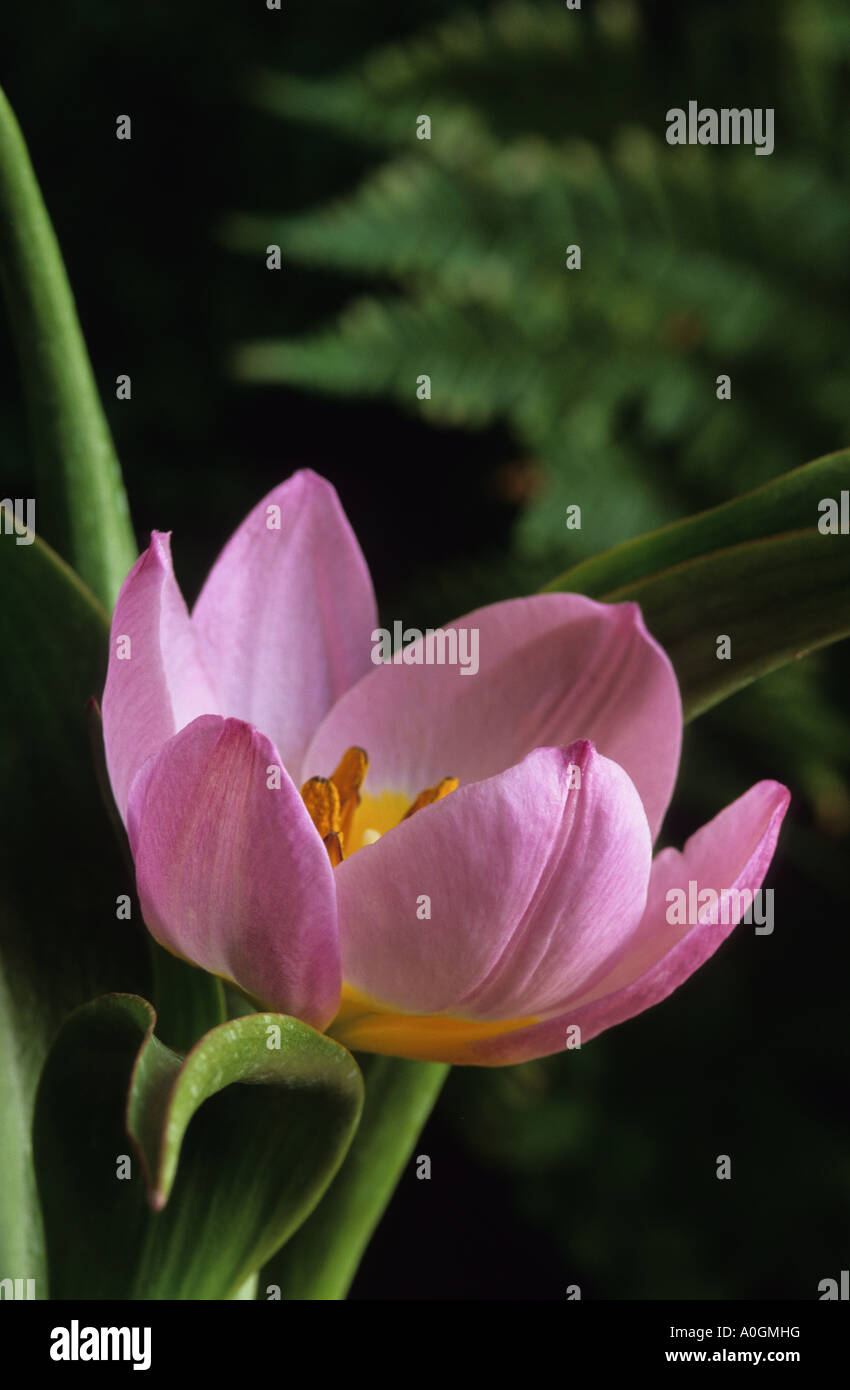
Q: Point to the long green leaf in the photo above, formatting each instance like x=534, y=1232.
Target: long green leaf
x=789, y=503
x=82, y=506
x=60, y=871
x=757, y=570
x=235, y=1145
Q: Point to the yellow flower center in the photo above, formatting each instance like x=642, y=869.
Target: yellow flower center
x=347, y=819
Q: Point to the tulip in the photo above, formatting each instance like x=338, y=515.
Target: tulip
x=433, y=867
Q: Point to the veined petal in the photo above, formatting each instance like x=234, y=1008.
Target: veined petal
x=530, y=881
x=156, y=682
x=732, y=852
x=286, y=613
x=231, y=873
x=551, y=669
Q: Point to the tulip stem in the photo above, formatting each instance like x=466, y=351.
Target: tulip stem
x=321, y=1259
x=81, y=504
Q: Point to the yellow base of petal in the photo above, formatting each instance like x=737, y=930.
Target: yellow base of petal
x=364, y=1025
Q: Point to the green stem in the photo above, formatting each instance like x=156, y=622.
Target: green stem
x=81, y=504
x=321, y=1259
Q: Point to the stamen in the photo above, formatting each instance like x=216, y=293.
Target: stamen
x=321, y=798
x=333, y=801
x=333, y=845
x=432, y=794
x=348, y=779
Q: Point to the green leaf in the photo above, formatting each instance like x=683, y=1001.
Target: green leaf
x=757, y=569
x=60, y=869
x=322, y=1258
x=500, y=55
x=81, y=499
x=786, y=504
x=235, y=1144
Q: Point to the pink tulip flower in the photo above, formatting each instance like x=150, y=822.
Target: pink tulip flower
x=466, y=872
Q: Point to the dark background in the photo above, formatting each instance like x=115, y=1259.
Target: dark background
x=596, y=1168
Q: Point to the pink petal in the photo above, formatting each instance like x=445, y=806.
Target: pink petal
x=553, y=668
x=732, y=851
x=532, y=885
x=164, y=684
x=285, y=615
x=231, y=873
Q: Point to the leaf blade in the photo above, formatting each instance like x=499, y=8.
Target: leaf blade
x=238, y=1142
x=79, y=479
x=746, y=568
x=60, y=871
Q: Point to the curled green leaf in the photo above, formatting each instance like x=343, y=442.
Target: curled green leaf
x=164, y=1176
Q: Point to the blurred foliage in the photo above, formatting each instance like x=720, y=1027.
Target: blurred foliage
x=695, y=261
